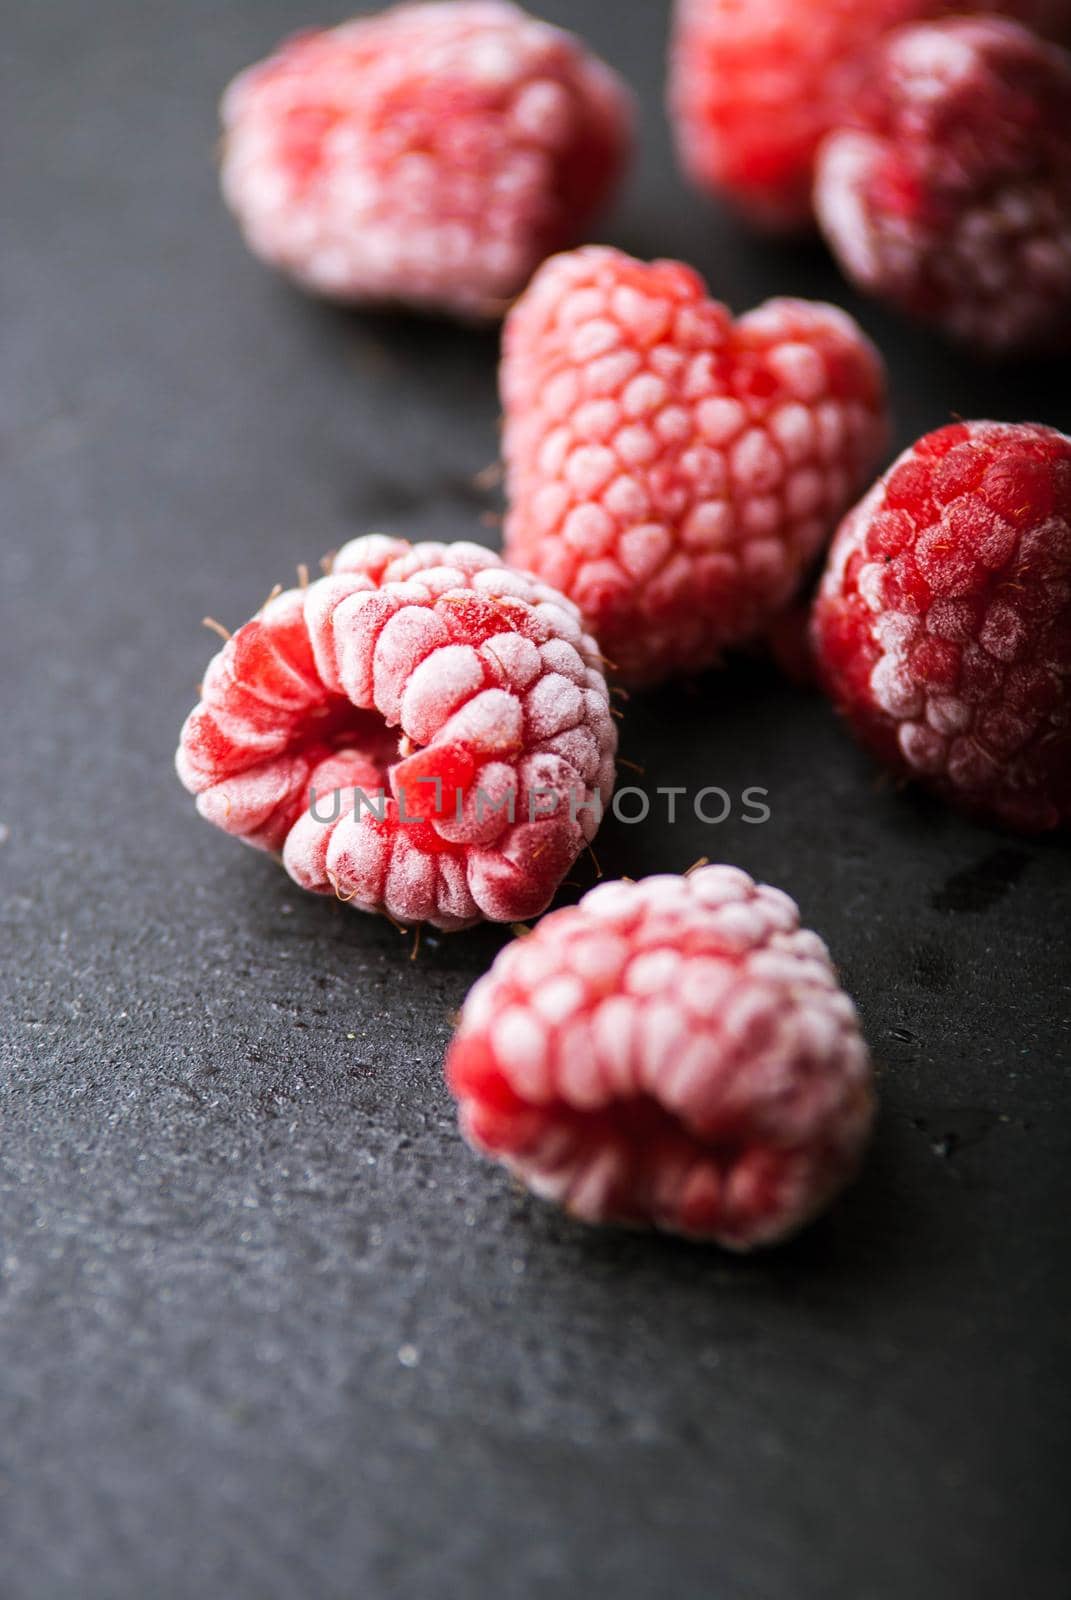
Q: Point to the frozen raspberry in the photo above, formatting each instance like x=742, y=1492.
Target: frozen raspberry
x=755, y=84
x=673, y=471
x=943, y=623
x=675, y=1053
x=950, y=192
x=465, y=695
x=431, y=155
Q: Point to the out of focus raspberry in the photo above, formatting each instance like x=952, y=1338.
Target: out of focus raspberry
x=673, y=471
x=430, y=155
x=465, y=696
x=943, y=624
x=949, y=192
x=673, y=1053
x=755, y=84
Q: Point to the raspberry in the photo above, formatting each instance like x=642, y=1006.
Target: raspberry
x=755, y=84
x=950, y=192
x=943, y=624
x=466, y=692
x=675, y=1053
x=430, y=155
x=672, y=471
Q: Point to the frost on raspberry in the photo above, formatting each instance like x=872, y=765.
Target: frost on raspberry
x=674, y=1053
x=430, y=155
x=755, y=85
x=423, y=732
x=949, y=189
x=942, y=628
x=673, y=471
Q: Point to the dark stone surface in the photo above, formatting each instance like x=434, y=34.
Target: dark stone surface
x=266, y=1328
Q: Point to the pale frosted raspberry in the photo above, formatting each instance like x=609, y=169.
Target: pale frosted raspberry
x=756, y=84
x=674, y=1053
x=673, y=471
x=466, y=692
x=948, y=190
x=942, y=627
x=431, y=154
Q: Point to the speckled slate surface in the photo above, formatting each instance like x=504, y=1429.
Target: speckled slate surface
x=231, y=1191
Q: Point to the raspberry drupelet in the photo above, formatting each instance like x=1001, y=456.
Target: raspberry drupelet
x=674, y=471
x=755, y=85
x=467, y=693
x=949, y=190
x=942, y=628
x=674, y=1053
x=431, y=155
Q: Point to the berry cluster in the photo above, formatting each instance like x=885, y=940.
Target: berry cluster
x=936, y=149
x=426, y=732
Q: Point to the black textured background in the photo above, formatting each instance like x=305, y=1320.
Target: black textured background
x=266, y=1328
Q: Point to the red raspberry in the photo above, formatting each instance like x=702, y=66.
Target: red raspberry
x=674, y=1053
x=950, y=191
x=755, y=84
x=943, y=624
x=438, y=675
x=431, y=155
x=672, y=471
